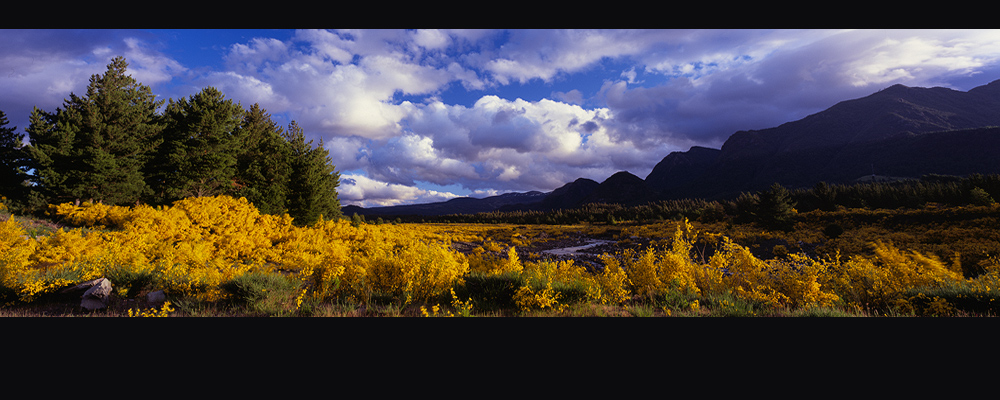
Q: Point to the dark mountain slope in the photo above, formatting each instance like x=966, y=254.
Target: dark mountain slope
x=850, y=137
x=567, y=196
x=680, y=168
x=899, y=131
x=621, y=188
x=891, y=112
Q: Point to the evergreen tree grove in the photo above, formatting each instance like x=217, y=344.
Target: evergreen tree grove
x=12, y=162
x=200, y=149
x=314, y=180
x=96, y=146
x=264, y=167
x=113, y=145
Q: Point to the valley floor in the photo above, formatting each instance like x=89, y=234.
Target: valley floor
x=930, y=261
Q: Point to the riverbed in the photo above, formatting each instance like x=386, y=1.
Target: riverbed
x=576, y=250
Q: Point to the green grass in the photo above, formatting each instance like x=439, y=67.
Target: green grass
x=128, y=283
x=490, y=292
x=956, y=299
x=263, y=294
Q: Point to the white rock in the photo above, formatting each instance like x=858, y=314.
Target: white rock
x=97, y=296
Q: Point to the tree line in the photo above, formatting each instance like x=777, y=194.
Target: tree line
x=113, y=145
x=772, y=208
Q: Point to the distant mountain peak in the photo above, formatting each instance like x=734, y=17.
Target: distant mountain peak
x=899, y=130
x=822, y=146
x=621, y=188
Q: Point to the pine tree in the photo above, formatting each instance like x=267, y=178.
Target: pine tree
x=12, y=161
x=97, y=146
x=264, y=168
x=776, y=207
x=313, y=185
x=201, y=147
x=48, y=154
x=825, y=196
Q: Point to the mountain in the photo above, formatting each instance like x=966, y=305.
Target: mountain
x=906, y=129
x=898, y=131
x=567, y=196
x=460, y=205
x=885, y=114
x=680, y=168
x=623, y=188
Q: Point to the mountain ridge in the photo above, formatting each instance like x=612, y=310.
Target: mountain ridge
x=899, y=131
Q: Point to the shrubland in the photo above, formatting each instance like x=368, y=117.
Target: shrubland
x=220, y=256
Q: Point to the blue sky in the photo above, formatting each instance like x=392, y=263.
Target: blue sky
x=414, y=116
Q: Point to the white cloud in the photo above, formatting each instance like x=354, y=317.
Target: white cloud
x=375, y=96
x=248, y=90
x=366, y=192
x=42, y=67
x=921, y=56
x=410, y=158
x=259, y=52
x=543, y=54
x=520, y=145
x=431, y=39
x=496, y=146
x=149, y=67
x=347, y=153
x=343, y=83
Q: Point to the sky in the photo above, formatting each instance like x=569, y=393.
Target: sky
x=426, y=115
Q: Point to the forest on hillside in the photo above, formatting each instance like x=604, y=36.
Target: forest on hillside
x=113, y=145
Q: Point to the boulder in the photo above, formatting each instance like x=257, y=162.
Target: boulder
x=96, y=297
x=82, y=287
x=156, y=297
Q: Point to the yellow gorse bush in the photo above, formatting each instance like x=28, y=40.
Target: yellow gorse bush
x=882, y=278
x=537, y=291
x=732, y=269
x=196, y=244
x=163, y=311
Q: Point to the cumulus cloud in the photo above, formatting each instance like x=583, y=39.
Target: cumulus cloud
x=543, y=54
x=363, y=191
x=497, y=145
x=342, y=83
x=147, y=66
x=377, y=98
x=40, y=68
x=514, y=145
x=411, y=157
x=758, y=79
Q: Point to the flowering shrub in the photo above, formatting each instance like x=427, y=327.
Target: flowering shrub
x=164, y=311
x=612, y=282
x=881, y=279
x=195, y=245
x=537, y=291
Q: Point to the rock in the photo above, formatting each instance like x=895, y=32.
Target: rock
x=97, y=295
x=83, y=287
x=156, y=297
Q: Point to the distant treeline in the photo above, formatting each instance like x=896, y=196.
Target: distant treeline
x=772, y=207
x=113, y=145
x=976, y=189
